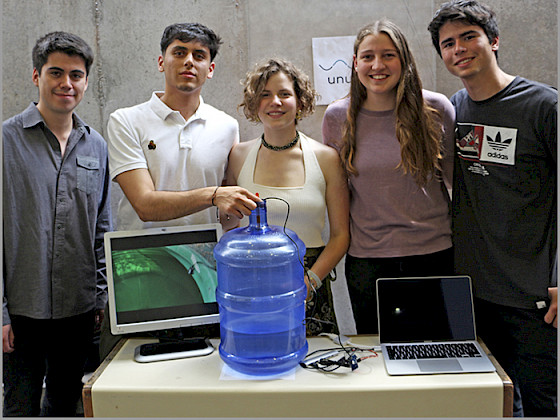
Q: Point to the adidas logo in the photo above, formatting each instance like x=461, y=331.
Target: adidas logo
x=498, y=144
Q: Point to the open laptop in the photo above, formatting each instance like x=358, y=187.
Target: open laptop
x=426, y=326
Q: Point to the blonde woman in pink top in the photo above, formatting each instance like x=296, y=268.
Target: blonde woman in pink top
x=396, y=143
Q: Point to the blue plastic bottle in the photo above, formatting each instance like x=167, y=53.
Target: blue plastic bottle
x=261, y=296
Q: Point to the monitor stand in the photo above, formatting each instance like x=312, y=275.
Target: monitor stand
x=173, y=345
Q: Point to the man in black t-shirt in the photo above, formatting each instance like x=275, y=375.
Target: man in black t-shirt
x=504, y=202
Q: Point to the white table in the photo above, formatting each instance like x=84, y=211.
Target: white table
x=196, y=387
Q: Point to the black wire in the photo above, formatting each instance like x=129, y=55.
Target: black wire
x=284, y=227
x=305, y=270
x=318, y=351
x=327, y=365
x=331, y=365
x=291, y=239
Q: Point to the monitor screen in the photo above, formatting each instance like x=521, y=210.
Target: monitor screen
x=162, y=278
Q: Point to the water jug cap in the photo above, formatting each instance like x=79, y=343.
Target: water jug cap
x=258, y=222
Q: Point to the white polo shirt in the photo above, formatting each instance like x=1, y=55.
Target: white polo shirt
x=180, y=155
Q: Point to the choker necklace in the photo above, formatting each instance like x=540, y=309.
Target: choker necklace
x=278, y=148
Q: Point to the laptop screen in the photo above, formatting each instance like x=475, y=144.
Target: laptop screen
x=425, y=309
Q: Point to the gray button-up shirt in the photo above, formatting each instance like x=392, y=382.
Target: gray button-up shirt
x=56, y=210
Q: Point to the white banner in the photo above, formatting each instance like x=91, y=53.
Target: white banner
x=332, y=67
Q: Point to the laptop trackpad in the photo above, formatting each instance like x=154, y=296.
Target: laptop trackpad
x=439, y=365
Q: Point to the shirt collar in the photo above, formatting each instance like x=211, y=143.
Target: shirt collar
x=163, y=111
x=31, y=117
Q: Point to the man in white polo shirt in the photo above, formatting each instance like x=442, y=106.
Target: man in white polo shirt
x=169, y=154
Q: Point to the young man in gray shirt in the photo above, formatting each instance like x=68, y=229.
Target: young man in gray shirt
x=55, y=212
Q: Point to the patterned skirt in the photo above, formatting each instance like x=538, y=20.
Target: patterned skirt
x=319, y=310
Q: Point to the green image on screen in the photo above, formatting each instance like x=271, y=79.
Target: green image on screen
x=167, y=276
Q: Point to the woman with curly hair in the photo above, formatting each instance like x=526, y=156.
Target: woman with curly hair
x=285, y=163
x=396, y=143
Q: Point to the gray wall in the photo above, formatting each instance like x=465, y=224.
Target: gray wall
x=125, y=35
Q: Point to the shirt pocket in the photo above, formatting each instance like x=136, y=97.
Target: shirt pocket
x=88, y=173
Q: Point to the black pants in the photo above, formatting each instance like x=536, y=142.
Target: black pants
x=361, y=274
x=526, y=347
x=54, y=349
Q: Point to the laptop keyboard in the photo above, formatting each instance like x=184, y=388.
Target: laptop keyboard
x=432, y=351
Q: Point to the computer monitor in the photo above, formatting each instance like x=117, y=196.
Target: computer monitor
x=162, y=278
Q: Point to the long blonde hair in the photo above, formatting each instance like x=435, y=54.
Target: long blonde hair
x=418, y=125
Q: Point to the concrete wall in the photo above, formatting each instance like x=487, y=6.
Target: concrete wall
x=125, y=35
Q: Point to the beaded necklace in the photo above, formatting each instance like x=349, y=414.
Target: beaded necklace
x=278, y=148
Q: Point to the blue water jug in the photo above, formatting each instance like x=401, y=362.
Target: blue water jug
x=261, y=297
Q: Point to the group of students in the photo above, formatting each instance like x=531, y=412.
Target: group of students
x=392, y=153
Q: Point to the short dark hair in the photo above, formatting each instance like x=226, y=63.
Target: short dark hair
x=64, y=42
x=186, y=32
x=469, y=11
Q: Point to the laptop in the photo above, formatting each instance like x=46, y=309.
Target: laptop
x=426, y=326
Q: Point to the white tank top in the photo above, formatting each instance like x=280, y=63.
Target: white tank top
x=307, y=202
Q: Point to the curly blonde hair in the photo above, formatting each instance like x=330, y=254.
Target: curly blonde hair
x=256, y=80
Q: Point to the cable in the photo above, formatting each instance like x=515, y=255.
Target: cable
x=284, y=227
x=314, y=301
x=314, y=291
x=324, y=362
x=322, y=359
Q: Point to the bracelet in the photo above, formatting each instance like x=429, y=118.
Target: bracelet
x=315, y=278
x=214, y=195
